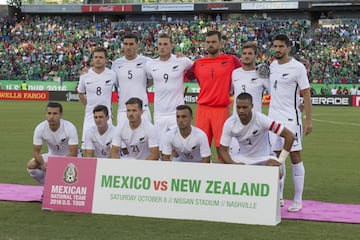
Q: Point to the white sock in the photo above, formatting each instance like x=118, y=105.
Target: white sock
x=282, y=180
x=37, y=174
x=298, y=171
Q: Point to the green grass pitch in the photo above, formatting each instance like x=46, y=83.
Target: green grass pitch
x=332, y=161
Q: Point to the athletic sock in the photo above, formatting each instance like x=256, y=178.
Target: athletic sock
x=298, y=171
x=282, y=180
x=37, y=174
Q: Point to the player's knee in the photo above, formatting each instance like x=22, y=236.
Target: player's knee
x=295, y=157
x=32, y=164
x=298, y=169
x=37, y=174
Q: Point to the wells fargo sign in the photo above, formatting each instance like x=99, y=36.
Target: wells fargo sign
x=24, y=95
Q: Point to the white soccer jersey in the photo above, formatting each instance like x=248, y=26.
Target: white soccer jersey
x=286, y=81
x=58, y=142
x=101, y=144
x=190, y=149
x=136, y=141
x=132, y=80
x=98, y=89
x=168, y=77
x=253, y=138
x=249, y=82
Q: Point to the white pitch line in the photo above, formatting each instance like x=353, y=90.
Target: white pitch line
x=341, y=123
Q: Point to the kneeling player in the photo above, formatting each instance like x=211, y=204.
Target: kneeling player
x=189, y=143
x=251, y=130
x=61, y=139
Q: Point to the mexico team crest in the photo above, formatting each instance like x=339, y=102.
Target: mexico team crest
x=70, y=174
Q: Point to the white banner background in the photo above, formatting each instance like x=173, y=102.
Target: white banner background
x=188, y=203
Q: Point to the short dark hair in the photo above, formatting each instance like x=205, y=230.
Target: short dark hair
x=185, y=107
x=100, y=49
x=133, y=36
x=250, y=45
x=283, y=38
x=214, y=32
x=244, y=96
x=101, y=108
x=55, y=105
x=135, y=100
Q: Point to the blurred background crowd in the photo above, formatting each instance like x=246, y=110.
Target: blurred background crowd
x=46, y=47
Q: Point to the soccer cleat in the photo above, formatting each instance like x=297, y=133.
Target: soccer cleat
x=295, y=207
x=282, y=202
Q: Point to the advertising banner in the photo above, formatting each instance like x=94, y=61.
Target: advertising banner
x=184, y=7
x=106, y=8
x=24, y=95
x=218, y=6
x=38, y=85
x=269, y=5
x=69, y=184
x=356, y=101
x=175, y=190
x=336, y=100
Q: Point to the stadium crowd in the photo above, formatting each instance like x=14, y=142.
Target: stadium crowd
x=46, y=47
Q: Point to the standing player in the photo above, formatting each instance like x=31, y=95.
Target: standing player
x=189, y=142
x=95, y=88
x=213, y=74
x=137, y=135
x=132, y=78
x=251, y=130
x=98, y=138
x=61, y=139
x=247, y=79
x=167, y=74
x=287, y=78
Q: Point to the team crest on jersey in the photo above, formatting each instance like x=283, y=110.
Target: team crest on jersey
x=70, y=174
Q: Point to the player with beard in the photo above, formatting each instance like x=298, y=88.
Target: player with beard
x=132, y=78
x=251, y=130
x=287, y=78
x=95, y=88
x=190, y=143
x=167, y=73
x=61, y=139
x=213, y=74
x=137, y=135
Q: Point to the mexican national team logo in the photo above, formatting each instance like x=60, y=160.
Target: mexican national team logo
x=70, y=174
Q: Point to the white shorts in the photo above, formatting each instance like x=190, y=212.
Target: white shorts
x=47, y=155
x=252, y=161
x=277, y=142
x=122, y=116
x=163, y=123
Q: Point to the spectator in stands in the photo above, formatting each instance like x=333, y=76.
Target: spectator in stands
x=48, y=47
x=334, y=90
x=353, y=90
